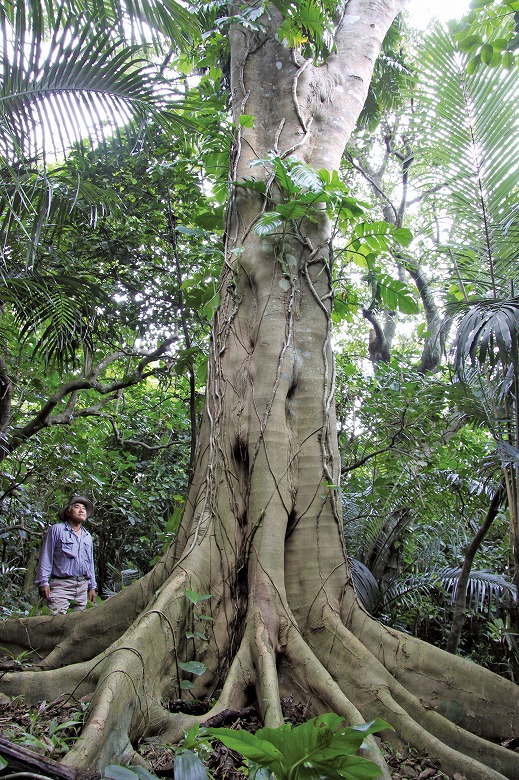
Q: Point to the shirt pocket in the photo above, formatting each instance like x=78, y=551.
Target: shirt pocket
x=68, y=549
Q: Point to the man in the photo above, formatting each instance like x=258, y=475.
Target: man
x=65, y=574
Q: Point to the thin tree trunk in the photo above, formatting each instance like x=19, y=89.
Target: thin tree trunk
x=460, y=604
x=5, y=395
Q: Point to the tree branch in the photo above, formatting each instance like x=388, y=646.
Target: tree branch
x=70, y=390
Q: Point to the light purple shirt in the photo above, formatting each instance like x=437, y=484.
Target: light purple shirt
x=65, y=554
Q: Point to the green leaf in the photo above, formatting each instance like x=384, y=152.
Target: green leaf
x=189, y=766
x=341, y=310
x=294, y=209
x=247, y=120
x=396, y=295
x=211, y=306
x=187, y=231
x=115, y=772
x=351, y=768
x=186, y=685
x=143, y=773
x=252, y=184
x=487, y=53
x=210, y=220
x=194, y=667
x=470, y=43
x=306, y=177
x=403, y=236
x=248, y=745
x=196, y=635
x=268, y=223
x=324, y=175
x=3, y=762
x=473, y=63
x=195, y=597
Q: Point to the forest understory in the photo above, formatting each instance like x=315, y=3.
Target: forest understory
x=17, y=726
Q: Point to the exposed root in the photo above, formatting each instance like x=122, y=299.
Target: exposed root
x=331, y=666
x=383, y=696
x=118, y=708
x=233, y=697
x=313, y=680
x=79, y=636
x=256, y=664
x=74, y=681
x=450, y=685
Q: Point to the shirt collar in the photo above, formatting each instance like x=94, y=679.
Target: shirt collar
x=69, y=527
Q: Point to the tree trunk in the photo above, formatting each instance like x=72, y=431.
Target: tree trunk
x=460, y=604
x=5, y=394
x=262, y=528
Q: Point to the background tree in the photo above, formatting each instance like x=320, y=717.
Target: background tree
x=449, y=259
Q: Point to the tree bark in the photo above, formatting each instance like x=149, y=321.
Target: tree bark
x=262, y=529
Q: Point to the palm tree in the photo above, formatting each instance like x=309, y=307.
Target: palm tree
x=73, y=72
x=468, y=162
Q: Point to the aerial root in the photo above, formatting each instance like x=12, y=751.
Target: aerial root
x=264, y=657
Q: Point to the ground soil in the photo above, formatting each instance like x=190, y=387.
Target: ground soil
x=36, y=728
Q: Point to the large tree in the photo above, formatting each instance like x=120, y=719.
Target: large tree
x=262, y=528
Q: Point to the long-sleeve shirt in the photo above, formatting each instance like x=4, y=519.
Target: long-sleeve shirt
x=66, y=554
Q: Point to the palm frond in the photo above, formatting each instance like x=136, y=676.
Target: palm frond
x=366, y=586
x=485, y=589
x=81, y=82
x=142, y=20
x=392, y=78
x=469, y=159
x=34, y=203
x=55, y=311
x=157, y=19
x=488, y=333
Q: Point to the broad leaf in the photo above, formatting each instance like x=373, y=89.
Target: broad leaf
x=262, y=751
x=115, y=772
x=188, y=766
x=268, y=223
x=195, y=597
x=396, y=295
x=194, y=667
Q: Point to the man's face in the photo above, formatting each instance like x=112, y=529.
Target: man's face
x=77, y=513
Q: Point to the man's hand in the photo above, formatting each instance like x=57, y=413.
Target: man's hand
x=44, y=591
x=92, y=596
